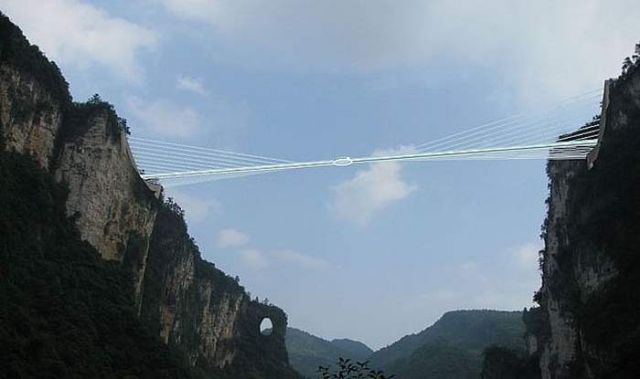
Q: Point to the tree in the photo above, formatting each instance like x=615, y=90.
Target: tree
x=626, y=65
x=122, y=123
x=349, y=370
x=95, y=99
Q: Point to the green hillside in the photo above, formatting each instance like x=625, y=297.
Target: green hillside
x=307, y=352
x=453, y=346
x=355, y=349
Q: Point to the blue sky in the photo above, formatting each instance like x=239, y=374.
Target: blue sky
x=314, y=80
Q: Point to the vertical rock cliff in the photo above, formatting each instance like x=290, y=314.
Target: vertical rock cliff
x=31, y=116
x=195, y=308
x=115, y=209
x=590, y=295
x=205, y=313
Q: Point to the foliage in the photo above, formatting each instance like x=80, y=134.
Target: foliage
x=65, y=312
x=629, y=65
x=307, y=352
x=504, y=363
x=347, y=369
x=602, y=227
x=173, y=254
x=354, y=349
x=78, y=118
x=441, y=360
x=121, y=123
x=17, y=52
x=536, y=323
x=455, y=342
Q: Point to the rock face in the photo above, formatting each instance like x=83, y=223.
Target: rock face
x=204, y=313
x=194, y=307
x=30, y=115
x=114, y=208
x=590, y=263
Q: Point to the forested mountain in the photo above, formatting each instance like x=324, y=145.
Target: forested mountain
x=307, y=352
x=453, y=346
x=355, y=349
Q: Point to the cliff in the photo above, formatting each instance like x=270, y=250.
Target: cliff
x=66, y=312
x=196, y=309
x=590, y=298
x=204, y=313
x=115, y=209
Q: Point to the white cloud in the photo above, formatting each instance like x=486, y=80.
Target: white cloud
x=190, y=84
x=202, y=10
x=544, y=47
x=300, y=260
x=526, y=256
x=254, y=259
x=74, y=33
x=231, y=238
x=165, y=118
x=506, y=281
x=371, y=191
x=259, y=259
x=196, y=209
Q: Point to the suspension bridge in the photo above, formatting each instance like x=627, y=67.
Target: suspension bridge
x=557, y=133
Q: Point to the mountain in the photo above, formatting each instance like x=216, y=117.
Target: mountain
x=99, y=276
x=588, y=321
x=355, y=349
x=453, y=346
x=307, y=352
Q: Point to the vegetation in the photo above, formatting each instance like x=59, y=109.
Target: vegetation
x=355, y=349
x=18, y=53
x=346, y=369
x=629, y=64
x=504, y=363
x=307, y=352
x=442, y=360
x=171, y=252
x=608, y=195
x=78, y=116
x=453, y=346
x=602, y=226
x=65, y=312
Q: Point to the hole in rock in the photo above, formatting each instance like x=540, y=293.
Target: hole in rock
x=266, y=326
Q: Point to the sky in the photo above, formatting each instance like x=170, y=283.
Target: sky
x=372, y=252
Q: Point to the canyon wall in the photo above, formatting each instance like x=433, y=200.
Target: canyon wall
x=203, y=312
x=195, y=308
x=591, y=261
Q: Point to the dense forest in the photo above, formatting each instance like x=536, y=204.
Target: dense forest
x=65, y=311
